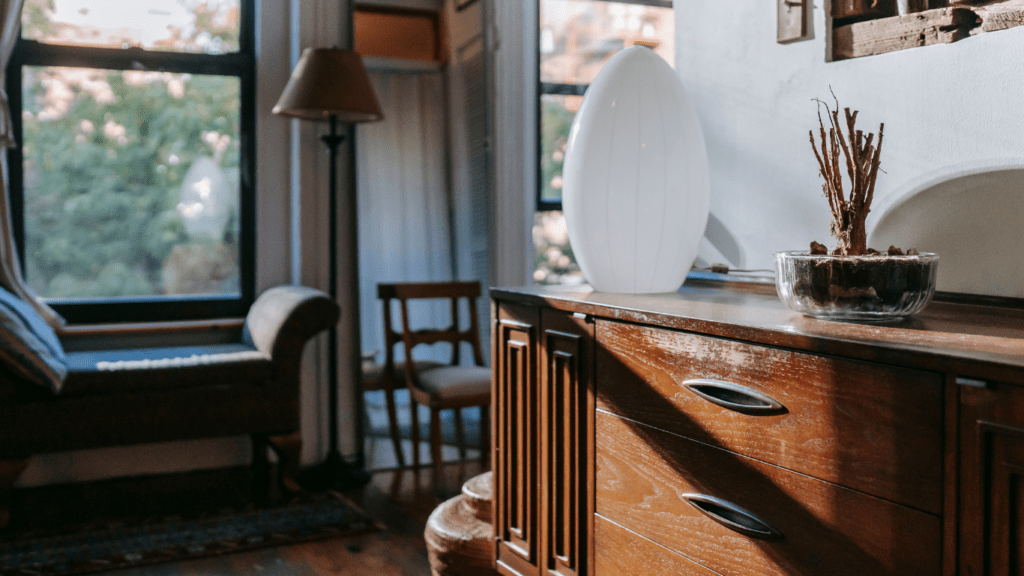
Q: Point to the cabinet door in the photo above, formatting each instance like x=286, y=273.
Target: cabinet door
x=566, y=428
x=515, y=417
x=992, y=481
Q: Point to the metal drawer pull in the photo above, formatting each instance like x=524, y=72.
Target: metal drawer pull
x=734, y=397
x=733, y=517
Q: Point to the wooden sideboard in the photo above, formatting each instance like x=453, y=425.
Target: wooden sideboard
x=714, y=431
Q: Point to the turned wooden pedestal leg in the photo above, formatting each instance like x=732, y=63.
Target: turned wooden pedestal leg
x=9, y=472
x=459, y=534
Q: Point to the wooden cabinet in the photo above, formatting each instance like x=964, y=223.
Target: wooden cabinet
x=567, y=446
x=863, y=425
x=544, y=441
x=991, y=479
x=715, y=432
x=736, y=515
x=515, y=417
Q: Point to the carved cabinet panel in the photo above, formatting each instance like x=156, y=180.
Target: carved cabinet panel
x=515, y=419
x=543, y=441
x=566, y=441
x=992, y=481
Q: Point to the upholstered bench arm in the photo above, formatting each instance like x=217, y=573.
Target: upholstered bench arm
x=284, y=318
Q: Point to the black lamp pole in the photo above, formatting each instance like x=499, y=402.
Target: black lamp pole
x=334, y=471
x=332, y=83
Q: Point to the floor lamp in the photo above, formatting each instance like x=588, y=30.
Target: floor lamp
x=331, y=84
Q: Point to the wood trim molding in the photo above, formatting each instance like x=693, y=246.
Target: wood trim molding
x=512, y=42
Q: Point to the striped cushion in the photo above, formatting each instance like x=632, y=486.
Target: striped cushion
x=28, y=346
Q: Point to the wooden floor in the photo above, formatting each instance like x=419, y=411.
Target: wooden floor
x=400, y=500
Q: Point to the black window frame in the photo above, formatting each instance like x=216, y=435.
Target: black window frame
x=557, y=89
x=241, y=65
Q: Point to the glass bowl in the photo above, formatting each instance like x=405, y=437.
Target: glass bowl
x=875, y=288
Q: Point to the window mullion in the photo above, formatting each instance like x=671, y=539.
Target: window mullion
x=563, y=89
x=32, y=53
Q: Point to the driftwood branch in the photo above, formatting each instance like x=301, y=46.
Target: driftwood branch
x=862, y=157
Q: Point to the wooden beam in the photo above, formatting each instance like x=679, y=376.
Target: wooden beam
x=1001, y=16
x=939, y=26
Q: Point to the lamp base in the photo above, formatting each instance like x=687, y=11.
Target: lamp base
x=333, y=473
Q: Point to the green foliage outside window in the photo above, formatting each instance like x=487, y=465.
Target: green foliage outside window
x=106, y=154
x=555, y=123
x=103, y=181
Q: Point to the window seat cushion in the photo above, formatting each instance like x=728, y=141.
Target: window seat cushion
x=151, y=369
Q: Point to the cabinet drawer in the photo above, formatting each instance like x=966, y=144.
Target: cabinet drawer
x=647, y=481
x=621, y=552
x=866, y=426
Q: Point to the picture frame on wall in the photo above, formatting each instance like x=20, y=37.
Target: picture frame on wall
x=461, y=5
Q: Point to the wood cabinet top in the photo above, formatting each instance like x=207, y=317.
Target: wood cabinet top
x=983, y=342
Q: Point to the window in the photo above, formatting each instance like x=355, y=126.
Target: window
x=133, y=186
x=575, y=39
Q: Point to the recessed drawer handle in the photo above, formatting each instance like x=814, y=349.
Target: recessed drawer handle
x=734, y=397
x=733, y=517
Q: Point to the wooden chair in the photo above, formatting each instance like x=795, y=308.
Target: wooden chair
x=378, y=377
x=438, y=387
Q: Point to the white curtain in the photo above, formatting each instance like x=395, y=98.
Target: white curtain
x=404, y=209
x=10, y=269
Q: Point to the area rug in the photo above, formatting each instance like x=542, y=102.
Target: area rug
x=113, y=546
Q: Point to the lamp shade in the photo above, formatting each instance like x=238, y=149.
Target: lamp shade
x=329, y=82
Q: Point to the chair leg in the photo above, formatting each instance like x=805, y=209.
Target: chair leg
x=435, y=440
x=460, y=433
x=485, y=435
x=9, y=472
x=288, y=448
x=396, y=433
x=415, y=432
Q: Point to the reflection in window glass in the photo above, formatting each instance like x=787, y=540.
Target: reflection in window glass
x=131, y=182
x=209, y=26
x=554, y=260
x=578, y=36
x=557, y=113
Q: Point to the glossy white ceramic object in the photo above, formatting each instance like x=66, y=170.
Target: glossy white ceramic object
x=635, y=178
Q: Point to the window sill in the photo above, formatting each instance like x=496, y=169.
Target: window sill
x=938, y=26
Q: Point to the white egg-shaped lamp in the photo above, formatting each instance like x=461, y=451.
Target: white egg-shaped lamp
x=635, y=180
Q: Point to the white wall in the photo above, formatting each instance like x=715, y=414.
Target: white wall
x=947, y=109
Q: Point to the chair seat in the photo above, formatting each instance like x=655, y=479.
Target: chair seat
x=150, y=369
x=373, y=374
x=457, y=383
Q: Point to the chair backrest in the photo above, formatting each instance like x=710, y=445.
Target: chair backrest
x=404, y=292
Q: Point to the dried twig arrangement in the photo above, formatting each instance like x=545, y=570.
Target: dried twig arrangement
x=861, y=157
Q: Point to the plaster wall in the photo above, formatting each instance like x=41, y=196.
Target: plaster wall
x=949, y=110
